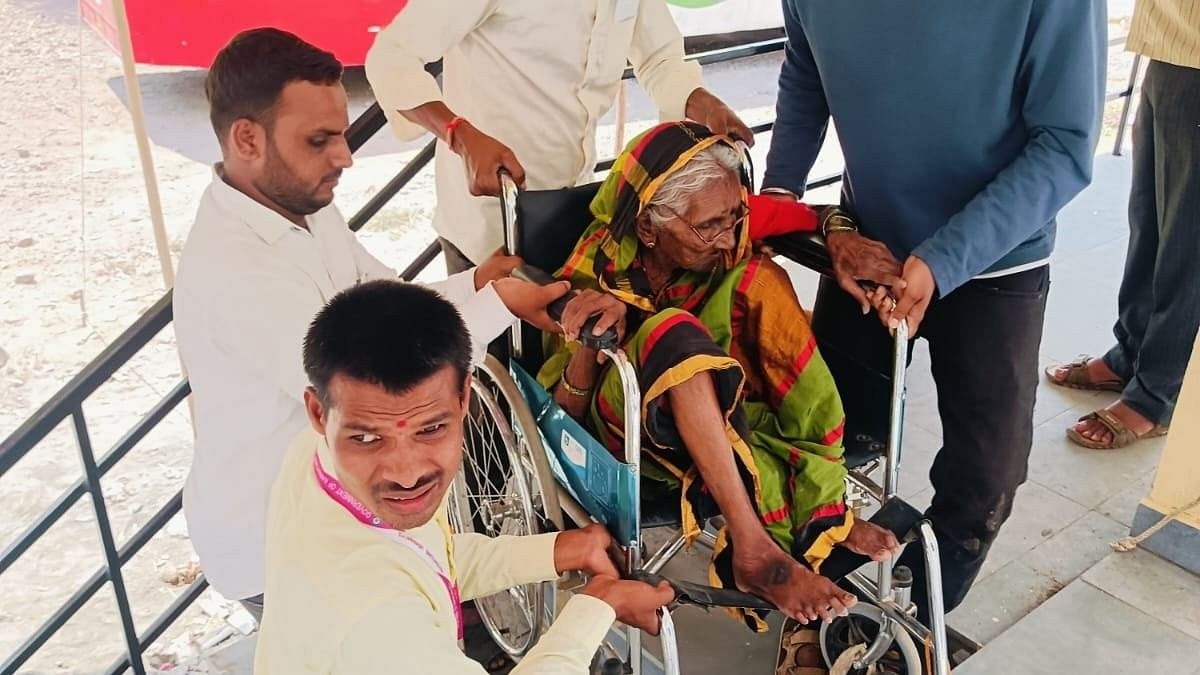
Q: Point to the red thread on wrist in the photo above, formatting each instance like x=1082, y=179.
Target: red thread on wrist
x=451, y=126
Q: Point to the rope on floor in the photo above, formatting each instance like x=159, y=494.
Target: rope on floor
x=1127, y=544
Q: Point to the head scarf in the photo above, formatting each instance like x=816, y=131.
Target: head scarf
x=608, y=250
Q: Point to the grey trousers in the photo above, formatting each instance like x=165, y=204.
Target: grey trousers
x=1159, y=301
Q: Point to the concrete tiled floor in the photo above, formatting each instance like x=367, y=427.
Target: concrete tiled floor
x=1084, y=629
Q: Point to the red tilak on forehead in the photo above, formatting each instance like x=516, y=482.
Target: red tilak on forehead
x=400, y=424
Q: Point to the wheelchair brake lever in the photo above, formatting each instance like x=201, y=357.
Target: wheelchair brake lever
x=605, y=341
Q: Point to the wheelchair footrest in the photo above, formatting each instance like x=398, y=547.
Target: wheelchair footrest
x=688, y=593
x=896, y=515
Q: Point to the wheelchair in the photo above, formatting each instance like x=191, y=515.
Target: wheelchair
x=529, y=468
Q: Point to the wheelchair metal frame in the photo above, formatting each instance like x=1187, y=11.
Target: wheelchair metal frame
x=897, y=611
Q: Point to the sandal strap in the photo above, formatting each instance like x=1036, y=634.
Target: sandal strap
x=1122, y=435
x=1077, y=374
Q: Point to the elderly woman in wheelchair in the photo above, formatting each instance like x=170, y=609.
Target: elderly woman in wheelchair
x=740, y=413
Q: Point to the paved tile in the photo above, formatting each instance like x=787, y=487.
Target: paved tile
x=1082, y=629
x=916, y=456
x=1088, y=477
x=1076, y=548
x=1053, y=400
x=1153, y=585
x=1038, y=514
x=1000, y=600
x=1121, y=506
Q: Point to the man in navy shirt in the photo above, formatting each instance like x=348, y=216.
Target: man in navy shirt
x=965, y=125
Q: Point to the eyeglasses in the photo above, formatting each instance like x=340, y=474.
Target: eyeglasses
x=717, y=231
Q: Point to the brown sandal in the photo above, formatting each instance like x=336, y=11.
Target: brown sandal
x=1122, y=435
x=1077, y=377
x=799, y=649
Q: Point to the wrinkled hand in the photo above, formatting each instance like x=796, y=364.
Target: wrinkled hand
x=527, y=301
x=712, y=112
x=913, y=299
x=857, y=258
x=584, y=551
x=635, y=603
x=588, y=302
x=484, y=156
x=497, y=266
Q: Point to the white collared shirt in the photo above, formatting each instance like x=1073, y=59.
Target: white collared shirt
x=537, y=75
x=249, y=284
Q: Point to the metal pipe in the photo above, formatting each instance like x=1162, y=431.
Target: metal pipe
x=138, y=114
x=380, y=199
x=1128, y=94
x=669, y=642
x=937, y=615
x=891, y=465
x=512, y=245
x=664, y=554
x=92, y=474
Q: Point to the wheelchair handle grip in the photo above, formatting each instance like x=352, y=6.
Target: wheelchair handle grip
x=605, y=341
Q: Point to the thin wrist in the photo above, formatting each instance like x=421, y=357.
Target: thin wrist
x=780, y=191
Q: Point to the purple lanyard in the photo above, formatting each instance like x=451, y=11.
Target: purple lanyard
x=367, y=517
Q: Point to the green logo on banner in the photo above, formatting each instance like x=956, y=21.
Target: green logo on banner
x=694, y=4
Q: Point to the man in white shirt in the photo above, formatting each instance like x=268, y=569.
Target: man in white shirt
x=266, y=252
x=524, y=84
x=363, y=575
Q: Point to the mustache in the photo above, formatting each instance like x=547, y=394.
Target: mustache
x=336, y=175
x=388, y=487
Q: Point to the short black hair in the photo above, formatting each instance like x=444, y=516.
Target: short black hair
x=388, y=333
x=248, y=75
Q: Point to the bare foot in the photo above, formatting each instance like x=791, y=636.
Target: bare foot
x=1093, y=430
x=766, y=571
x=867, y=538
x=1096, y=370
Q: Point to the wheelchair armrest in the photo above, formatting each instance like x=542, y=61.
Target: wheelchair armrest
x=805, y=248
x=605, y=341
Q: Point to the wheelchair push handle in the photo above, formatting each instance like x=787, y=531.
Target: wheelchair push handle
x=605, y=341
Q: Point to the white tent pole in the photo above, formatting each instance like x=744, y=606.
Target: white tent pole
x=143, y=143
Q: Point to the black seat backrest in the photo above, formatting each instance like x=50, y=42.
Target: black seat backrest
x=550, y=223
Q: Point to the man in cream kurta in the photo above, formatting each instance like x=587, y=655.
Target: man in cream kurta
x=363, y=576
x=528, y=81
x=344, y=599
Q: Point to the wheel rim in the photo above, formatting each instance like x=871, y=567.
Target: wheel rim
x=860, y=628
x=490, y=498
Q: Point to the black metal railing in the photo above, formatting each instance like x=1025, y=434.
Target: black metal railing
x=68, y=404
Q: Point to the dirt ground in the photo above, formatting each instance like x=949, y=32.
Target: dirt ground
x=78, y=265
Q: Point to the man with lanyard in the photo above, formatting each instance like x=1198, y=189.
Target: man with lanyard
x=267, y=250
x=965, y=127
x=524, y=84
x=363, y=574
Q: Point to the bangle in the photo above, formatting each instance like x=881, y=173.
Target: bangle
x=572, y=389
x=836, y=221
x=451, y=126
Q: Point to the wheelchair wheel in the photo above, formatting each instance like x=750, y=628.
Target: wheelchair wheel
x=499, y=491
x=859, y=629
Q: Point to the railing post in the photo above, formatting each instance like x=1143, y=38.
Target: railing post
x=91, y=475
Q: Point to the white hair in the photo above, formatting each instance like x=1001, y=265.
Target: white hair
x=715, y=163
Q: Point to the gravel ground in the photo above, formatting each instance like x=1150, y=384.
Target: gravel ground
x=78, y=265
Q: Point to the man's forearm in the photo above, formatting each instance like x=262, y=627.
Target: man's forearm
x=433, y=117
